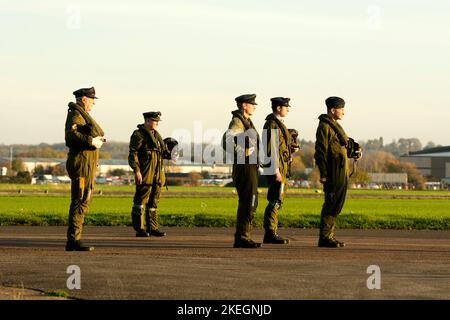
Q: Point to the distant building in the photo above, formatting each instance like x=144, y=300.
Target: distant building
x=389, y=178
x=214, y=170
x=105, y=166
x=108, y=165
x=433, y=163
x=30, y=164
x=222, y=170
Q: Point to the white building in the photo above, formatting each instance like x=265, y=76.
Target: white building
x=105, y=166
x=30, y=164
x=108, y=165
x=388, y=178
x=217, y=170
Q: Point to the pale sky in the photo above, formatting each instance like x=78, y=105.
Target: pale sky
x=189, y=59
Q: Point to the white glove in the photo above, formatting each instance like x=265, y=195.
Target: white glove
x=97, y=142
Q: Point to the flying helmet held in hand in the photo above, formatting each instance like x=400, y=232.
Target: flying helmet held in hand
x=295, y=146
x=172, y=149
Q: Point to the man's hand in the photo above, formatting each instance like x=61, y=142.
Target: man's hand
x=278, y=176
x=249, y=151
x=138, y=178
x=97, y=142
x=323, y=180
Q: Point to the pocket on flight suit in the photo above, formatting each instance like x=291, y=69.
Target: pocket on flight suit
x=254, y=201
x=282, y=190
x=81, y=185
x=329, y=190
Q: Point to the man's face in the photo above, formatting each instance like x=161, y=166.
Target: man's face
x=248, y=108
x=338, y=114
x=88, y=103
x=151, y=124
x=282, y=111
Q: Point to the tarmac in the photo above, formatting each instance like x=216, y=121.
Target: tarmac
x=200, y=264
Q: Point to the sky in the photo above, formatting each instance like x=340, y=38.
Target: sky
x=189, y=59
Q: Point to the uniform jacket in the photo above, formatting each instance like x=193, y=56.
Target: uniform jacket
x=80, y=129
x=330, y=150
x=281, y=158
x=237, y=127
x=145, y=156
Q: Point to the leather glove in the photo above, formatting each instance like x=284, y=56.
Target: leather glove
x=97, y=142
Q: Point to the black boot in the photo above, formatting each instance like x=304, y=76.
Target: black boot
x=273, y=238
x=142, y=234
x=330, y=243
x=244, y=243
x=77, y=245
x=157, y=233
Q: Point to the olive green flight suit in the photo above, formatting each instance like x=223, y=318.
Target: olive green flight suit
x=331, y=159
x=277, y=141
x=145, y=156
x=82, y=161
x=245, y=171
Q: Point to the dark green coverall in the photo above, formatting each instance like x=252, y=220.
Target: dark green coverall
x=331, y=159
x=82, y=162
x=279, y=152
x=245, y=171
x=145, y=156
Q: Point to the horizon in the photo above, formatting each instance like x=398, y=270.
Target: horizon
x=300, y=139
x=423, y=145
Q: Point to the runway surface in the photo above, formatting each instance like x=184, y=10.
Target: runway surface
x=200, y=263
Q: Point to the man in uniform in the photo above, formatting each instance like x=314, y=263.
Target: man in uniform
x=277, y=144
x=146, y=159
x=331, y=159
x=243, y=139
x=84, y=138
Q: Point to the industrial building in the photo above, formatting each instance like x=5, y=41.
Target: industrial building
x=433, y=163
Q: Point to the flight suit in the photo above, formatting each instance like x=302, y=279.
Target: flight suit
x=331, y=159
x=278, y=151
x=82, y=162
x=245, y=171
x=145, y=156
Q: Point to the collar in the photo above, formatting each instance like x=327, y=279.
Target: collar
x=278, y=117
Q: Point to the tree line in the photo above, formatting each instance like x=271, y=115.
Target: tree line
x=378, y=157
x=119, y=150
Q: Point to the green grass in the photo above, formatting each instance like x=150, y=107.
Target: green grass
x=364, y=213
x=195, y=191
x=57, y=293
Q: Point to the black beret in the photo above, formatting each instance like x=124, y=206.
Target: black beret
x=335, y=102
x=85, y=92
x=246, y=98
x=280, y=102
x=154, y=115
